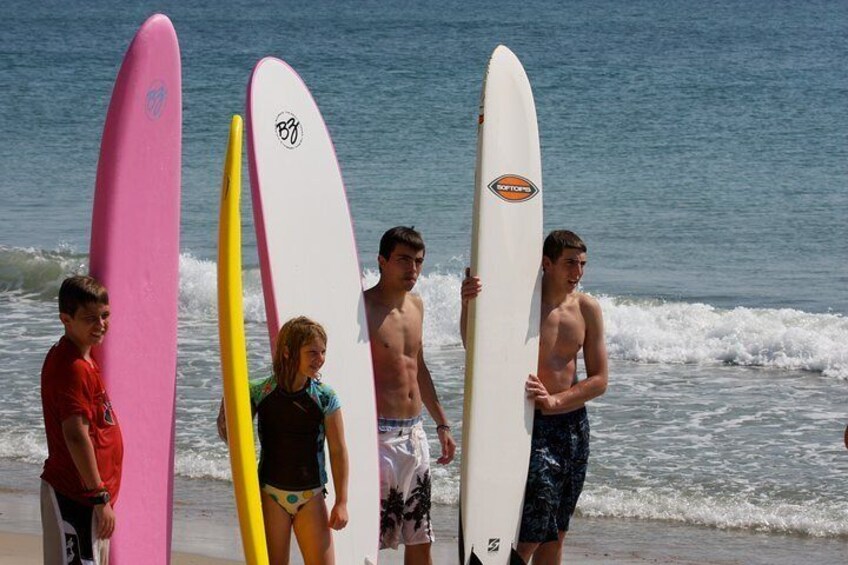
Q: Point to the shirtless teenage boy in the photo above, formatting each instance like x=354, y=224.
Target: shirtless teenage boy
x=403, y=383
x=570, y=321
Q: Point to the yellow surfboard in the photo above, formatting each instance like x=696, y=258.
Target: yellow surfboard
x=234, y=358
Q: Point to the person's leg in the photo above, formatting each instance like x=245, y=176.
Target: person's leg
x=69, y=530
x=391, y=498
x=99, y=547
x=52, y=538
x=574, y=457
x=312, y=528
x=416, y=483
x=405, y=492
x=417, y=531
x=549, y=553
x=417, y=554
x=526, y=549
x=278, y=525
x=542, y=491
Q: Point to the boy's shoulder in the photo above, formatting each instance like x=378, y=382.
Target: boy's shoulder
x=63, y=359
x=589, y=305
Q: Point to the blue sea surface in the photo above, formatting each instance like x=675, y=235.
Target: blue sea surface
x=699, y=148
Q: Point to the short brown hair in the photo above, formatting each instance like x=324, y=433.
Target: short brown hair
x=80, y=290
x=294, y=334
x=400, y=235
x=560, y=240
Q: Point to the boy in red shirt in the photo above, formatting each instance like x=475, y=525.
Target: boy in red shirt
x=82, y=473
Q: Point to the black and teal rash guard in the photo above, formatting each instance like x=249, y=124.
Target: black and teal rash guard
x=291, y=432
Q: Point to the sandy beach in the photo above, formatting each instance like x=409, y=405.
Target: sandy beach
x=206, y=533
x=25, y=549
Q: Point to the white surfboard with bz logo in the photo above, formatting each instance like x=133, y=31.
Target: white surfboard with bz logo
x=310, y=267
x=503, y=322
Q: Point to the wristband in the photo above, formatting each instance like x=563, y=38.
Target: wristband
x=96, y=490
x=441, y=427
x=100, y=498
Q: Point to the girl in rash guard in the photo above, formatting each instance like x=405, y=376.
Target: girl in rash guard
x=296, y=412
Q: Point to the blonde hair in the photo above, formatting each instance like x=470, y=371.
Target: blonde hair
x=294, y=334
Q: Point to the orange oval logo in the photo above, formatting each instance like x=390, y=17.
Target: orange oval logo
x=513, y=188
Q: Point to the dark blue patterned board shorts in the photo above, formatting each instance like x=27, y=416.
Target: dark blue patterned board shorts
x=558, y=456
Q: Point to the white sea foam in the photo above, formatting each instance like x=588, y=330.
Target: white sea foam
x=28, y=445
x=199, y=287
x=202, y=465
x=815, y=518
x=822, y=518
x=36, y=271
x=646, y=331
x=638, y=330
x=656, y=332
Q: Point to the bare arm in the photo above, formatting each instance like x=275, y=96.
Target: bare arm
x=434, y=407
x=431, y=400
x=75, y=432
x=222, y=422
x=428, y=392
x=340, y=466
x=597, y=374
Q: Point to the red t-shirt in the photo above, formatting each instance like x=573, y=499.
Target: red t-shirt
x=71, y=385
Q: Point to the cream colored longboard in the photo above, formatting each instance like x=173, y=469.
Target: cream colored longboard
x=503, y=322
x=309, y=265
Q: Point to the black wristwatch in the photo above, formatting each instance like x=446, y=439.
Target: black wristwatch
x=100, y=498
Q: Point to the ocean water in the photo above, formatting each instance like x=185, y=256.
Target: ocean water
x=699, y=149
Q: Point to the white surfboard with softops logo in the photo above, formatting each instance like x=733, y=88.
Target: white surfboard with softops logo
x=503, y=321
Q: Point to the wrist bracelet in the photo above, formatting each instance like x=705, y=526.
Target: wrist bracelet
x=101, y=498
x=441, y=427
x=96, y=490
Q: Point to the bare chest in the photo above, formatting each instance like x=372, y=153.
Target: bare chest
x=396, y=334
x=562, y=333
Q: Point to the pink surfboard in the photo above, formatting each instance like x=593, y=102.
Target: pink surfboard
x=135, y=252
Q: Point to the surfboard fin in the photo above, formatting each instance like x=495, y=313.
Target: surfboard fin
x=514, y=558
